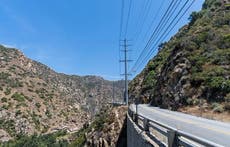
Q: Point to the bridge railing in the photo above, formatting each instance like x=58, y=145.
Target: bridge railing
x=166, y=135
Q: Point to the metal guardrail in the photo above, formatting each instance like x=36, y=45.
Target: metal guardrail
x=175, y=137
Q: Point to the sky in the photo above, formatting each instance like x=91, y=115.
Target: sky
x=79, y=37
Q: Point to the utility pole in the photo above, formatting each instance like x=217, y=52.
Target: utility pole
x=125, y=45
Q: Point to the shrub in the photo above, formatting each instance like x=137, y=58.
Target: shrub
x=8, y=91
x=21, y=104
x=5, y=107
x=18, y=112
x=14, y=83
x=216, y=107
x=48, y=114
x=18, y=97
x=4, y=75
x=36, y=120
x=8, y=125
x=227, y=106
x=219, y=83
x=150, y=80
x=189, y=101
x=193, y=17
x=30, y=90
x=4, y=100
x=48, y=140
x=38, y=105
x=227, y=98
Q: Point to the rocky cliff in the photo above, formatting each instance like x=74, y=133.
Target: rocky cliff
x=107, y=130
x=36, y=99
x=111, y=128
x=193, y=68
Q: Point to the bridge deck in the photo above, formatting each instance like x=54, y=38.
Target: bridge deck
x=212, y=130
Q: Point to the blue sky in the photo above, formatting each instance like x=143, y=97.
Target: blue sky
x=75, y=36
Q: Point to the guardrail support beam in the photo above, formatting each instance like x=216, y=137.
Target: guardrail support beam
x=172, y=139
x=146, y=124
x=135, y=118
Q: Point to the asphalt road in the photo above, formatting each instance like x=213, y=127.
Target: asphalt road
x=215, y=131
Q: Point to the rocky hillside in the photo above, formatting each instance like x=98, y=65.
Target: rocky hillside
x=36, y=99
x=108, y=133
x=193, y=68
x=107, y=130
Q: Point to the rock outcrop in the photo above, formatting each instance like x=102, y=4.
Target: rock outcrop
x=193, y=68
x=112, y=127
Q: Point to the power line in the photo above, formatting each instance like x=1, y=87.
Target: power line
x=121, y=20
x=144, y=16
x=153, y=34
x=127, y=22
x=167, y=30
x=167, y=18
x=124, y=45
x=142, y=12
x=161, y=27
x=152, y=50
x=121, y=29
x=152, y=22
x=149, y=41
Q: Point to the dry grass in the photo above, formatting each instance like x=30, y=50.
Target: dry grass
x=197, y=111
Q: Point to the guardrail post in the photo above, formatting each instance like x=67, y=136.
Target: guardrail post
x=135, y=118
x=172, y=138
x=146, y=124
x=129, y=112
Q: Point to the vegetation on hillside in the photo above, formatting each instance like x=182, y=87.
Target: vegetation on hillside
x=38, y=141
x=39, y=100
x=64, y=139
x=193, y=68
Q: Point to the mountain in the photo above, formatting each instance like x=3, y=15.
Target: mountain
x=36, y=99
x=192, y=69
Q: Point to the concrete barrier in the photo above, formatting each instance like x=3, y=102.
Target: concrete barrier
x=136, y=137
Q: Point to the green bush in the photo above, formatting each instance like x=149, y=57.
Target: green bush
x=8, y=125
x=48, y=140
x=4, y=75
x=48, y=114
x=4, y=100
x=36, y=120
x=194, y=16
x=18, y=97
x=216, y=107
x=219, y=83
x=189, y=101
x=38, y=105
x=150, y=80
x=21, y=104
x=8, y=91
x=15, y=83
x=18, y=112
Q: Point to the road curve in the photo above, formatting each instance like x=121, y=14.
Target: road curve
x=211, y=130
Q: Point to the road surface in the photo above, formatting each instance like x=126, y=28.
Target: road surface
x=215, y=131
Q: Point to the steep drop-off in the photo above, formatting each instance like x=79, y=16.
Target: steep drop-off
x=193, y=68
